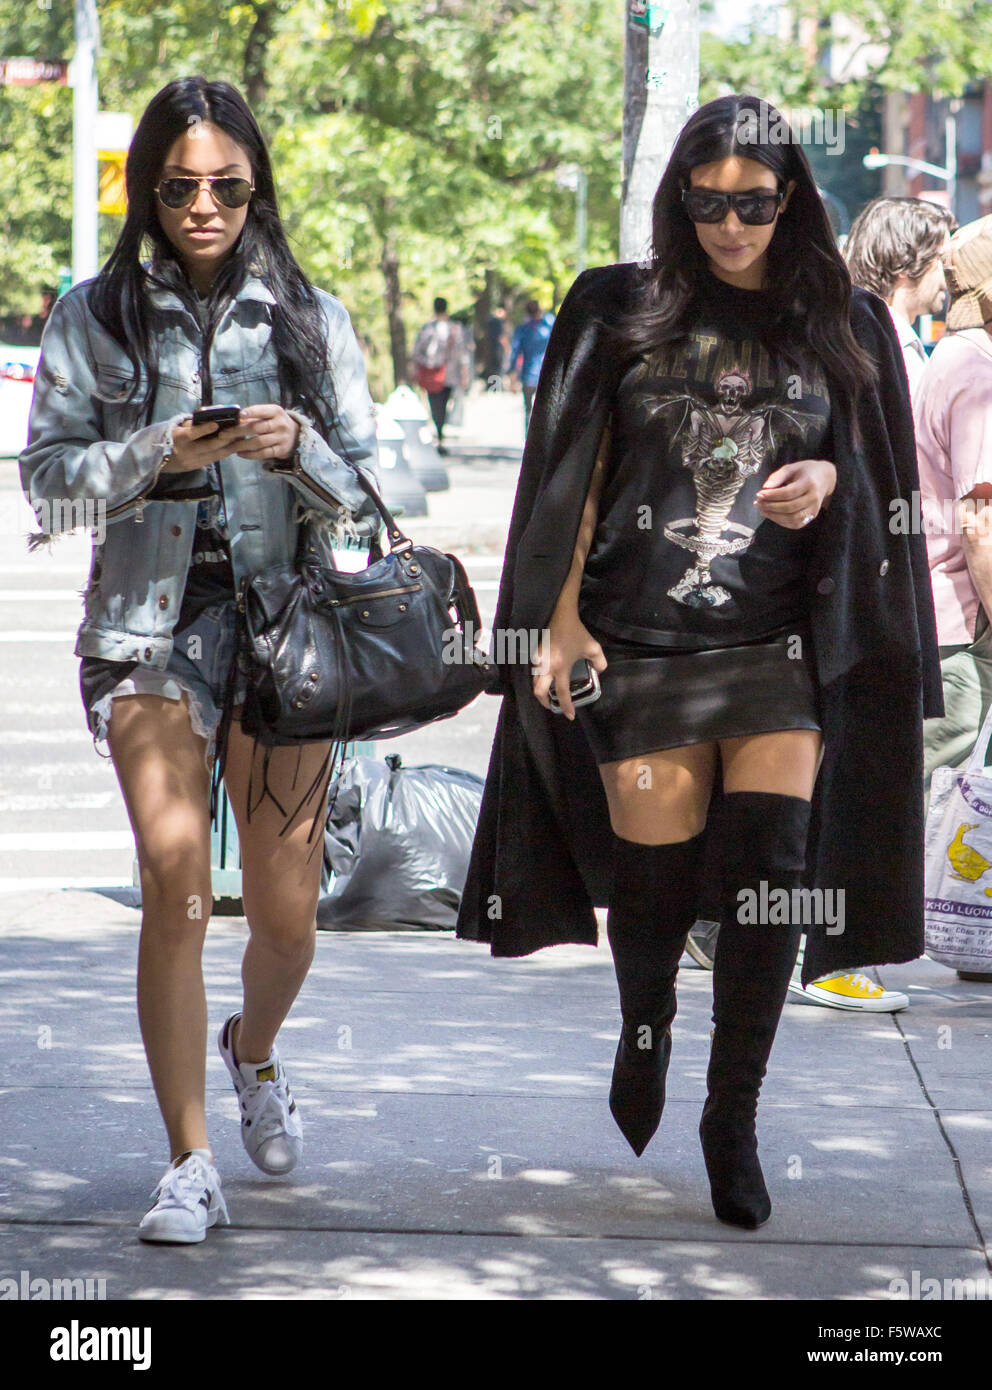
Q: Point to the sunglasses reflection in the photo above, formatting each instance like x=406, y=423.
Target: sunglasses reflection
x=229, y=191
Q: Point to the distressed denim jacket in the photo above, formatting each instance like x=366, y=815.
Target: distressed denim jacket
x=89, y=451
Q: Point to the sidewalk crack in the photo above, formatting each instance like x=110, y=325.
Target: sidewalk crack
x=959, y=1174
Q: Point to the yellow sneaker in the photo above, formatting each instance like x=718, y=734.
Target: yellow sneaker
x=853, y=991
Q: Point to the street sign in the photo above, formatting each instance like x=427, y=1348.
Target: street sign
x=650, y=17
x=112, y=195
x=113, y=136
x=28, y=72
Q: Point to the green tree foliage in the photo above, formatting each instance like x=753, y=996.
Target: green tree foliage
x=35, y=161
x=938, y=46
x=415, y=142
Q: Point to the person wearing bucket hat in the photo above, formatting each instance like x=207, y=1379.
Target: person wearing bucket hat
x=969, y=276
x=954, y=445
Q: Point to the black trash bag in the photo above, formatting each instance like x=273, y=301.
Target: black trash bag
x=398, y=841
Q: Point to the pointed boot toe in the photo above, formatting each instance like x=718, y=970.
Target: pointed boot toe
x=637, y=1093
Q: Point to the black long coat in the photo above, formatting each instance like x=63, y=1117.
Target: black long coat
x=542, y=852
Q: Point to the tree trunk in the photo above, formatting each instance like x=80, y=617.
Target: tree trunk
x=390, y=266
x=483, y=312
x=257, y=51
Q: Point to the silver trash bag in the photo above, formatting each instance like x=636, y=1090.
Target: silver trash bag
x=397, y=845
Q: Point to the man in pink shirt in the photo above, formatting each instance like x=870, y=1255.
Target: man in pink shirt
x=953, y=414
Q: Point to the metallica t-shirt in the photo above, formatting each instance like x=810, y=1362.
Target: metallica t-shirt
x=681, y=556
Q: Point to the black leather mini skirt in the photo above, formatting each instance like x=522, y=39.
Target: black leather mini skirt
x=654, y=697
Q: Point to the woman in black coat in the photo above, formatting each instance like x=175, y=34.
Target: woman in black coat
x=704, y=518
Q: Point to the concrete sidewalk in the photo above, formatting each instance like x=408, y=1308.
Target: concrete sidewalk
x=458, y=1142
x=473, y=516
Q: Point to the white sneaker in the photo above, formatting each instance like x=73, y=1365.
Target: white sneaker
x=188, y=1200
x=270, y=1122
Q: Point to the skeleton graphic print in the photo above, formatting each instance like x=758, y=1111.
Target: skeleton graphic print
x=721, y=445
x=681, y=556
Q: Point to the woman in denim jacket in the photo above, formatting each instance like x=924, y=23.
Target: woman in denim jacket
x=222, y=314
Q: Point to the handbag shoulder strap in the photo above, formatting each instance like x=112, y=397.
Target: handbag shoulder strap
x=397, y=540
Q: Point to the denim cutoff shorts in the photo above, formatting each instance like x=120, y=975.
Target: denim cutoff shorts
x=200, y=665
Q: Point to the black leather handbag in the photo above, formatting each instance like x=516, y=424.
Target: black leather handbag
x=337, y=656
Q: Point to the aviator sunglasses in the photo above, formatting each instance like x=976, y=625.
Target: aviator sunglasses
x=223, y=188
x=753, y=209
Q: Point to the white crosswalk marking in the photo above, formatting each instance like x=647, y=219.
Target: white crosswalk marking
x=49, y=841
x=40, y=596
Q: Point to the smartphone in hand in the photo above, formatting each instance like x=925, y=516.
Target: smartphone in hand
x=583, y=686
x=222, y=416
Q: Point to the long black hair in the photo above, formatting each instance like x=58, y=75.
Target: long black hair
x=118, y=297
x=808, y=282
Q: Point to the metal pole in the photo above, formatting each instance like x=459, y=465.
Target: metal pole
x=85, y=182
x=661, y=91
x=582, y=185
x=951, y=152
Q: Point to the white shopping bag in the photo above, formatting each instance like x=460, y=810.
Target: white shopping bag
x=958, y=873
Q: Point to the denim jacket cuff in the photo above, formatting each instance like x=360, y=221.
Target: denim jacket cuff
x=326, y=481
x=151, y=449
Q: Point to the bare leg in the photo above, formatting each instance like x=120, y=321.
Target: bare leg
x=280, y=884
x=660, y=798
x=785, y=762
x=160, y=765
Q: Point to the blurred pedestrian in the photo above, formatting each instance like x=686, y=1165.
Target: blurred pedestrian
x=895, y=249
x=221, y=314
x=497, y=348
x=440, y=358
x=527, y=349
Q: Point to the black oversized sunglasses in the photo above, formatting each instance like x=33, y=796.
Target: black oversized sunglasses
x=754, y=209
x=180, y=192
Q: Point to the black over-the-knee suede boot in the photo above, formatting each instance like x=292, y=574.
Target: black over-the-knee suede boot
x=652, y=907
x=765, y=842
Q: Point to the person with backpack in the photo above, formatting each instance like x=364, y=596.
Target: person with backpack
x=440, y=360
